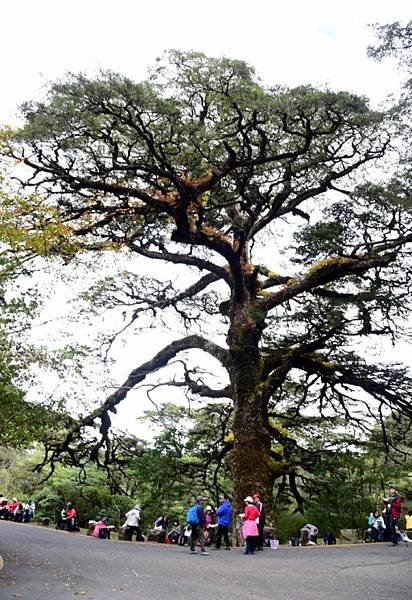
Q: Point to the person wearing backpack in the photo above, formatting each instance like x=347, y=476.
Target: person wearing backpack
x=196, y=519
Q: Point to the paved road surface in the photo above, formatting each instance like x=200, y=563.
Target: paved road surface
x=45, y=564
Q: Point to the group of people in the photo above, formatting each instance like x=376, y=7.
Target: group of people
x=376, y=527
x=208, y=527
x=384, y=525
x=21, y=512
x=212, y=523
x=203, y=523
x=205, y=526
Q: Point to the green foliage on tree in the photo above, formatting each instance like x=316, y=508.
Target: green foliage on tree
x=395, y=41
x=251, y=191
x=21, y=422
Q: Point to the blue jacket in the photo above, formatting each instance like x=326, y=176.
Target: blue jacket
x=224, y=513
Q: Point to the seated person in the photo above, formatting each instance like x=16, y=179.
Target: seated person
x=175, y=533
x=101, y=529
x=376, y=528
x=61, y=522
x=162, y=522
x=4, y=509
x=71, y=517
x=312, y=533
x=185, y=535
x=160, y=525
x=18, y=513
x=329, y=539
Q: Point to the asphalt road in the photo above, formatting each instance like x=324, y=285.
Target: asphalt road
x=45, y=564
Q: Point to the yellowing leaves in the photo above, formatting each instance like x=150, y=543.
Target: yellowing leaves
x=29, y=225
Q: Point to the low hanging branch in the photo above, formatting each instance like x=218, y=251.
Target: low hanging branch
x=162, y=358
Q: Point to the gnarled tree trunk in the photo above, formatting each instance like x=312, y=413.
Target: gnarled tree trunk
x=251, y=461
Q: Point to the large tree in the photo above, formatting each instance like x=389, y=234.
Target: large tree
x=253, y=189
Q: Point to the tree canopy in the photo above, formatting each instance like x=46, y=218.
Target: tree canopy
x=261, y=195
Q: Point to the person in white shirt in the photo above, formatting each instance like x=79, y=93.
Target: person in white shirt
x=132, y=524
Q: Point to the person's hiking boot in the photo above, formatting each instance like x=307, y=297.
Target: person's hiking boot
x=204, y=553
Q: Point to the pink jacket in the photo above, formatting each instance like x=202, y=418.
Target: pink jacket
x=99, y=525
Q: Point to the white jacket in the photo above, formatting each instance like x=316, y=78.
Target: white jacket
x=133, y=517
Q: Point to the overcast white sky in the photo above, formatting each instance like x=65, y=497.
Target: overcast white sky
x=292, y=42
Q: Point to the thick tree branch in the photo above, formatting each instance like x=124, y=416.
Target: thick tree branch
x=331, y=269
x=183, y=259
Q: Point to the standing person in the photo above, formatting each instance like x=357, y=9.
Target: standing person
x=210, y=524
x=249, y=527
x=260, y=522
x=196, y=520
x=71, y=517
x=393, y=512
x=224, y=516
x=132, y=523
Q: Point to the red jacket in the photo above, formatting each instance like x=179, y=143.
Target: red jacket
x=396, y=505
x=251, y=513
x=71, y=513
